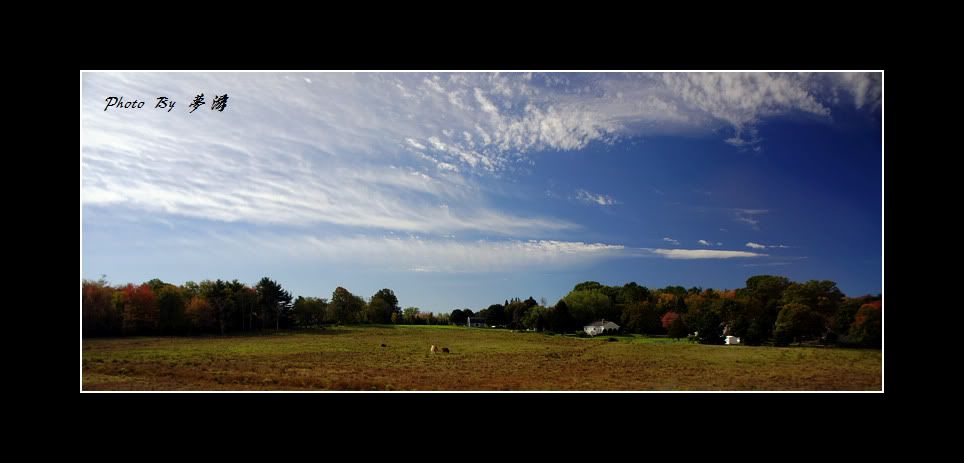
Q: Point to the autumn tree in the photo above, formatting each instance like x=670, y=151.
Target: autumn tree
x=200, y=315
x=156, y=285
x=140, y=310
x=668, y=319
x=867, y=326
x=100, y=316
x=847, y=312
x=667, y=301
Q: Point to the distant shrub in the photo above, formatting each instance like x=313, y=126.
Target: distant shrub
x=612, y=340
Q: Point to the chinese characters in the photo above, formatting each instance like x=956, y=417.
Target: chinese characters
x=166, y=103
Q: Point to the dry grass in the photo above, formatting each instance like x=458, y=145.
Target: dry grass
x=352, y=358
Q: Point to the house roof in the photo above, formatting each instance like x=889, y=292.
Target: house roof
x=603, y=323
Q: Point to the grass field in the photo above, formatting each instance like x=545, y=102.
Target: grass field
x=351, y=358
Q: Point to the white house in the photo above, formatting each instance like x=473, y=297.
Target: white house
x=600, y=327
x=729, y=339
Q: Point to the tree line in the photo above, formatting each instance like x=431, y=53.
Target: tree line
x=159, y=308
x=769, y=309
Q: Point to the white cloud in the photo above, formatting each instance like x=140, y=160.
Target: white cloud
x=671, y=240
x=770, y=264
x=288, y=153
x=288, y=189
x=503, y=116
x=447, y=166
x=436, y=143
x=600, y=199
x=415, y=144
x=337, y=152
x=703, y=254
x=420, y=254
x=865, y=88
x=484, y=102
x=748, y=216
x=743, y=99
x=413, y=253
x=764, y=246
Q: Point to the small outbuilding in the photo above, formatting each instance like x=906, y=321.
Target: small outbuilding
x=600, y=327
x=475, y=321
x=732, y=340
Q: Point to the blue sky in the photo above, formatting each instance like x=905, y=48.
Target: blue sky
x=465, y=189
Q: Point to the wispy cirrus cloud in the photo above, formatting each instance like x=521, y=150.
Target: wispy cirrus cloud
x=768, y=264
x=238, y=165
x=595, y=198
x=765, y=246
x=741, y=99
x=408, y=152
x=749, y=216
x=864, y=87
x=702, y=254
x=707, y=243
x=412, y=253
x=285, y=152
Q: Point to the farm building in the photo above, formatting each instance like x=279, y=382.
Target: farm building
x=475, y=321
x=729, y=338
x=600, y=327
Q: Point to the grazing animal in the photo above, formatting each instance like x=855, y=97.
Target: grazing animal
x=384, y=345
x=445, y=349
x=433, y=349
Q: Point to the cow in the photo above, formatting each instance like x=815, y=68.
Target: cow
x=433, y=349
x=445, y=349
